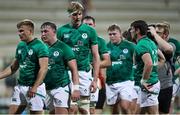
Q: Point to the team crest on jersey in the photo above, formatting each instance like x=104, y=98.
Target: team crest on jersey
x=66, y=35
x=125, y=51
x=84, y=35
x=19, y=51
x=56, y=53
x=30, y=52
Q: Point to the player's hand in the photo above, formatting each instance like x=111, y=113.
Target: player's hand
x=146, y=86
x=32, y=92
x=152, y=30
x=75, y=95
x=93, y=86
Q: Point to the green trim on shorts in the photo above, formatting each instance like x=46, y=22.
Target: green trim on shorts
x=38, y=94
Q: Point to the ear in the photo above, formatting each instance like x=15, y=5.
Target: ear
x=137, y=30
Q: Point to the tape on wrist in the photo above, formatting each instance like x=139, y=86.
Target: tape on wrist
x=75, y=87
x=143, y=81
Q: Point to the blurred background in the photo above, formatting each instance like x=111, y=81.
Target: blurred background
x=106, y=12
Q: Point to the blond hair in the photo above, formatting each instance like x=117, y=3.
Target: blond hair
x=26, y=22
x=74, y=6
x=163, y=25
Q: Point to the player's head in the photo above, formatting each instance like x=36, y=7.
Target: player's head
x=138, y=28
x=26, y=22
x=163, y=30
x=74, y=7
x=48, y=31
x=75, y=10
x=114, y=33
x=89, y=20
x=25, y=29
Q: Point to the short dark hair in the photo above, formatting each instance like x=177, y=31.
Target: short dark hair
x=89, y=18
x=114, y=27
x=51, y=24
x=141, y=25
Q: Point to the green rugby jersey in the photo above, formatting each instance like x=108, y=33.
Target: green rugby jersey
x=145, y=45
x=177, y=44
x=122, y=62
x=59, y=56
x=102, y=48
x=28, y=55
x=80, y=40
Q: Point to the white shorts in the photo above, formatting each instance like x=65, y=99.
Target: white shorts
x=85, y=79
x=59, y=97
x=117, y=91
x=136, y=93
x=36, y=103
x=176, y=87
x=149, y=99
x=94, y=96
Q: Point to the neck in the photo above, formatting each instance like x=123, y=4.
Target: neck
x=52, y=41
x=76, y=25
x=30, y=39
x=140, y=37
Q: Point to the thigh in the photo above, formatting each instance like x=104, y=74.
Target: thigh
x=111, y=94
x=16, y=109
x=94, y=96
x=85, y=80
x=61, y=97
x=150, y=99
x=125, y=91
x=37, y=103
x=18, y=96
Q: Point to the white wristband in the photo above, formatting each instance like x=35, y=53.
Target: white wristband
x=75, y=87
x=143, y=81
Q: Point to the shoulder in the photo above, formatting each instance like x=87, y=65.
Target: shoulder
x=86, y=27
x=101, y=40
x=21, y=43
x=63, y=27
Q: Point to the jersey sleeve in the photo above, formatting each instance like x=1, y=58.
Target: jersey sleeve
x=141, y=49
x=59, y=33
x=68, y=53
x=93, y=37
x=102, y=46
x=43, y=51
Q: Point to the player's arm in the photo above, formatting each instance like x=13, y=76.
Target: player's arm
x=106, y=61
x=43, y=63
x=96, y=61
x=177, y=72
x=73, y=67
x=75, y=78
x=161, y=58
x=146, y=70
x=96, y=66
x=10, y=70
x=164, y=45
x=147, y=66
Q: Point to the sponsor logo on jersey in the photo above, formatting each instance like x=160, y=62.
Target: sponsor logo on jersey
x=66, y=35
x=75, y=48
x=80, y=43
